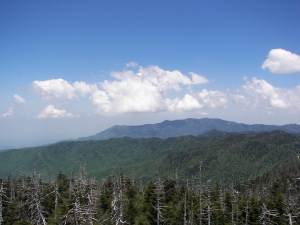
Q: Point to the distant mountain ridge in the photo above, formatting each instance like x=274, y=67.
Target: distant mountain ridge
x=185, y=127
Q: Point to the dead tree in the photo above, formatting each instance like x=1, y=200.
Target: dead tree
x=76, y=212
x=191, y=213
x=118, y=202
x=84, y=197
x=1, y=196
x=56, y=194
x=222, y=203
x=82, y=178
x=234, y=204
x=208, y=202
x=22, y=190
x=199, y=178
x=265, y=218
x=248, y=193
x=185, y=205
x=31, y=199
x=267, y=214
x=292, y=211
x=159, y=198
x=92, y=197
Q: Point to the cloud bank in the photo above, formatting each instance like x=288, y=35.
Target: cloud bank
x=282, y=61
x=152, y=89
x=143, y=91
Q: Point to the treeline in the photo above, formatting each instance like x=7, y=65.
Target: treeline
x=121, y=199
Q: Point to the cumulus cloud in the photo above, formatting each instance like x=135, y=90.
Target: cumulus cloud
x=51, y=112
x=83, y=88
x=9, y=113
x=101, y=100
x=145, y=91
x=275, y=97
x=54, y=89
x=213, y=98
x=131, y=94
x=142, y=91
x=188, y=103
x=165, y=79
x=19, y=100
x=282, y=61
x=62, y=89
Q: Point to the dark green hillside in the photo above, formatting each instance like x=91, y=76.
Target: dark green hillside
x=193, y=127
x=236, y=157
x=230, y=157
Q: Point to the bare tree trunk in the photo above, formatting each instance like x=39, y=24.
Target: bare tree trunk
x=159, y=198
x=208, y=203
x=1, y=194
x=184, y=215
x=200, y=192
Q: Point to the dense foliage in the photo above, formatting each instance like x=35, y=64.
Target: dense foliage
x=229, y=157
x=124, y=200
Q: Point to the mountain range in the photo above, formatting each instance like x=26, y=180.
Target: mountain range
x=179, y=128
x=230, y=157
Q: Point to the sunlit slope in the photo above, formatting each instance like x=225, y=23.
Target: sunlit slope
x=230, y=157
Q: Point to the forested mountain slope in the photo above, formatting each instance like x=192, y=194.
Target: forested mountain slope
x=230, y=157
x=178, y=128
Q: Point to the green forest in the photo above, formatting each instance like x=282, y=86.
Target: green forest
x=229, y=157
x=270, y=199
x=215, y=178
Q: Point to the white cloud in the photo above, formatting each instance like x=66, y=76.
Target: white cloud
x=197, y=79
x=132, y=64
x=54, y=89
x=275, y=97
x=282, y=61
x=213, y=98
x=101, y=100
x=145, y=91
x=165, y=79
x=239, y=98
x=51, y=112
x=188, y=103
x=9, y=113
x=62, y=89
x=84, y=88
x=19, y=100
x=131, y=94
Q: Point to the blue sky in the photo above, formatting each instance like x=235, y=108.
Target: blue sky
x=74, y=68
